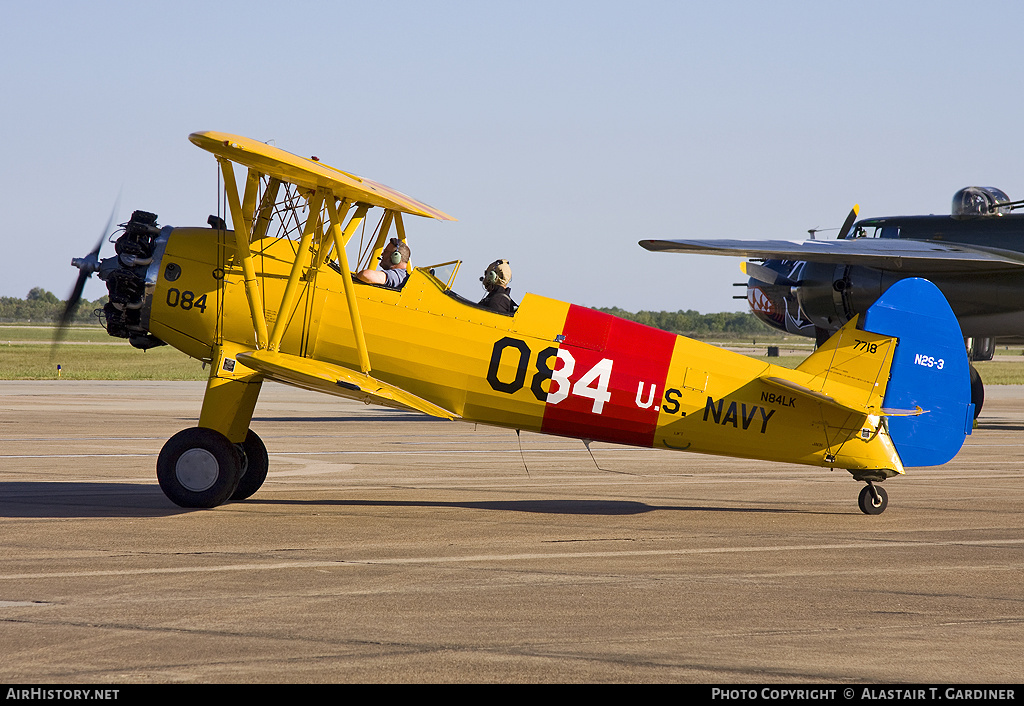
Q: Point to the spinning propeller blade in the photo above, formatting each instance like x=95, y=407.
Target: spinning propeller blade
x=86, y=266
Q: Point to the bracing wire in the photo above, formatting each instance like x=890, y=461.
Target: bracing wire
x=365, y=247
x=587, y=442
x=521, y=453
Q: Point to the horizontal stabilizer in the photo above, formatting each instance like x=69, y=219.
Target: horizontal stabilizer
x=789, y=386
x=336, y=380
x=903, y=412
x=929, y=371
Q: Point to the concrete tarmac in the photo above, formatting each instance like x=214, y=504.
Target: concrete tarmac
x=389, y=547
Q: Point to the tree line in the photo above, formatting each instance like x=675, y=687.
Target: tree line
x=42, y=306
x=693, y=323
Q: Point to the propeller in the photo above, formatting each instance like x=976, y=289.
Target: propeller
x=86, y=267
x=771, y=277
x=766, y=274
x=848, y=223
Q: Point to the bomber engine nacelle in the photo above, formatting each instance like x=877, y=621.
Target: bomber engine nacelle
x=772, y=299
x=816, y=298
x=809, y=298
x=829, y=295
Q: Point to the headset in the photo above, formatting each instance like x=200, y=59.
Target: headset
x=492, y=276
x=396, y=256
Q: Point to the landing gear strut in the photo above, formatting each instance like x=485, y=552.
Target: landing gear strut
x=200, y=467
x=873, y=499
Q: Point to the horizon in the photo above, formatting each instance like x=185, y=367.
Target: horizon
x=559, y=134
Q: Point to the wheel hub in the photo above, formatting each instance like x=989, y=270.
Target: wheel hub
x=197, y=470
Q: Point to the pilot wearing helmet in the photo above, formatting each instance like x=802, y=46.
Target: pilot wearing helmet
x=393, y=263
x=495, y=280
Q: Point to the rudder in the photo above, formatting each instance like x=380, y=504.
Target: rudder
x=929, y=370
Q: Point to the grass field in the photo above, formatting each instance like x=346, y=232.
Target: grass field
x=88, y=353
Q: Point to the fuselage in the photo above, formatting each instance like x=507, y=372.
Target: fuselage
x=288, y=308
x=553, y=367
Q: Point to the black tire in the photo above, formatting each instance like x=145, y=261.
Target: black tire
x=977, y=392
x=198, y=467
x=869, y=505
x=254, y=466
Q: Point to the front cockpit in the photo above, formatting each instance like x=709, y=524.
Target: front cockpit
x=874, y=228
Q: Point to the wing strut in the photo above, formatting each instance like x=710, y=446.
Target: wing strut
x=400, y=228
x=378, y=244
x=390, y=216
x=252, y=288
x=340, y=239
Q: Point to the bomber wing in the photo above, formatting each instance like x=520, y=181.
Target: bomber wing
x=897, y=255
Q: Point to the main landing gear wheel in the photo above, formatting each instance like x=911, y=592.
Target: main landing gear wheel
x=977, y=392
x=254, y=466
x=199, y=467
x=873, y=500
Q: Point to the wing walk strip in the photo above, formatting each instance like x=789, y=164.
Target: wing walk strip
x=336, y=380
x=528, y=556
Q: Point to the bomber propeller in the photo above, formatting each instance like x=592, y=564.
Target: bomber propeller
x=766, y=274
x=848, y=223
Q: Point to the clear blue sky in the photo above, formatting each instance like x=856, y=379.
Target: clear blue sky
x=558, y=133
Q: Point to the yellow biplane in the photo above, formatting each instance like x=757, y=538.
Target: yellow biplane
x=275, y=298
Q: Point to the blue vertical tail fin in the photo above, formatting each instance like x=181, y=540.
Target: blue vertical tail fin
x=929, y=370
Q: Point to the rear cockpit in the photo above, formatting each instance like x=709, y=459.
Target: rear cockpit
x=969, y=203
x=974, y=201
x=444, y=275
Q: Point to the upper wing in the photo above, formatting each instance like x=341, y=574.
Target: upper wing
x=310, y=174
x=896, y=255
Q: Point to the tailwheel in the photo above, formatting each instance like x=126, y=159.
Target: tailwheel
x=254, y=466
x=199, y=467
x=873, y=499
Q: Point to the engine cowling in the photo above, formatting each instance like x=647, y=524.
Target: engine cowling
x=130, y=277
x=829, y=295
